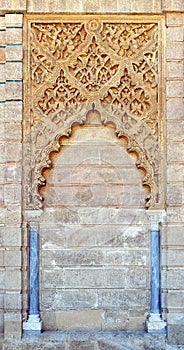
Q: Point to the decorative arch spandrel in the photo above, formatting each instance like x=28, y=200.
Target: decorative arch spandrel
x=97, y=69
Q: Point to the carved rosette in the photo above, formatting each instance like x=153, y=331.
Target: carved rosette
x=75, y=64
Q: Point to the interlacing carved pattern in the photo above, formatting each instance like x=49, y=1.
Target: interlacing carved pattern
x=60, y=96
x=59, y=39
x=94, y=62
x=127, y=39
x=94, y=68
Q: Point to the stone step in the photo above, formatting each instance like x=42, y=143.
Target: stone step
x=90, y=341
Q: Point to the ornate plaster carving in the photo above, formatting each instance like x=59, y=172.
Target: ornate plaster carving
x=75, y=63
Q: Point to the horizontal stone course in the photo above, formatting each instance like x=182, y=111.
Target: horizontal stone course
x=93, y=257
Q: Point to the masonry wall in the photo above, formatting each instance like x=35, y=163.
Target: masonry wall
x=12, y=245
x=94, y=258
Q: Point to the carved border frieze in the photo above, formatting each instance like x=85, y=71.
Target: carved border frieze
x=77, y=63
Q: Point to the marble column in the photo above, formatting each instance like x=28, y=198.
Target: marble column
x=33, y=324
x=155, y=323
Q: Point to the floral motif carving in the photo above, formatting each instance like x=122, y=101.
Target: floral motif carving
x=127, y=39
x=94, y=68
x=93, y=61
x=59, y=96
x=59, y=39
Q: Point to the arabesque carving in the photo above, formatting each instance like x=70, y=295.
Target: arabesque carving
x=99, y=62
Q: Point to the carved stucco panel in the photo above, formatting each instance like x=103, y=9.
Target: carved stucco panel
x=76, y=64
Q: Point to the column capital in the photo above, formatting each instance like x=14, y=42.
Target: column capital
x=32, y=216
x=155, y=217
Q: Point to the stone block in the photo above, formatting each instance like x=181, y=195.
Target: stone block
x=68, y=299
x=14, y=53
x=14, y=70
x=175, y=235
x=175, y=278
x=13, y=258
x=14, y=111
x=174, y=50
x=13, y=151
x=13, y=131
x=175, y=152
x=15, y=282
x=145, y=6
x=12, y=194
x=14, y=19
x=75, y=5
x=174, y=69
x=115, y=320
x=174, y=19
x=108, y=6
x=81, y=345
x=13, y=215
x=13, y=301
x=174, y=108
x=124, y=6
x=175, y=194
x=79, y=320
x=175, y=172
x=49, y=320
x=175, y=299
x=53, y=278
x=49, y=6
x=14, y=35
x=13, y=90
x=174, y=34
x=175, y=257
x=174, y=88
x=93, y=235
x=175, y=5
x=126, y=299
x=12, y=172
x=175, y=215
x=175, y=334
x=12, y=325
x=175, y=130
x=105, y=278
x=91, y=6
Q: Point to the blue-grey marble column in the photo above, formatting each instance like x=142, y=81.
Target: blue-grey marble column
x=33, y=272
x=155, y=306
x=33, y=324
x=155, y=322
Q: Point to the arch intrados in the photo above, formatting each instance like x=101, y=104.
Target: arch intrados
x=132, y=150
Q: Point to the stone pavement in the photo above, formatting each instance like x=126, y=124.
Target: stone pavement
x=90, y=341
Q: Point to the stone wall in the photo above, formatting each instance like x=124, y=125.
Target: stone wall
x=13, y=256
x=94, y=254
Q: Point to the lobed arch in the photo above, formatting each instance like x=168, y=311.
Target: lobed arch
x=120, y=120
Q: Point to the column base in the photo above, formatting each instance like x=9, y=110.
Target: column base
x=155, y=324
x=33, y=324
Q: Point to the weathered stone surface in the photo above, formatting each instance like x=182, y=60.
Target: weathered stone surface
x=94, y=257
x=53, y=278
x=174, y=51
x=174, y=108
x=123, y=299
x=175, y=194
x=175, y=278
x=68, y=299
x=105, y=278
x=79, y=320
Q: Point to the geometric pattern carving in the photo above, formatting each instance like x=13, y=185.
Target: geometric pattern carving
x=79, y=63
